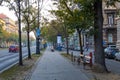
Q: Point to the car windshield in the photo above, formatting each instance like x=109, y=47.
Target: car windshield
x=116, y=50
x=112, y=46
x=12, y=46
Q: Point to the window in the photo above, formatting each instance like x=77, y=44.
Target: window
x=110, y=19
x=110, y=38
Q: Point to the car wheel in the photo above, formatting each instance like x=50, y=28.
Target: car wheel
x=116, y=59
x=15, y=51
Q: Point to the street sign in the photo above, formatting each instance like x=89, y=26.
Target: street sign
x=38, y=32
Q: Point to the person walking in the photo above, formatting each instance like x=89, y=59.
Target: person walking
x=86, y=46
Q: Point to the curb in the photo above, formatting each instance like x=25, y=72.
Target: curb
x=28, y=77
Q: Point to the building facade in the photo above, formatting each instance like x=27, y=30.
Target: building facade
x=10, y=25
x=118, y=33
x=2, y=24
x=110, y=24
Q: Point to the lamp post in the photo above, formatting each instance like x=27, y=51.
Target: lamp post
x=19, y=24
x=38, y=34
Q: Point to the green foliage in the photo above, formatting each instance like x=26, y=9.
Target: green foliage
x=77, y=14
x=111, y=2
x=1, y=27
x=13, y=5
x=9, y=37
x=49, y=33
x=29, y=18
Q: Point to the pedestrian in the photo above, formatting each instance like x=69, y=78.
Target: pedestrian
x=87, y=46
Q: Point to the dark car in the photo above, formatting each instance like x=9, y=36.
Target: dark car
x=111, y=53
x=13, y=48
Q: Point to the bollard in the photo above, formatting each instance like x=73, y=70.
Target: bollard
x=90, y=59
x=84, y=61
x=72, y=56
x=78, y=60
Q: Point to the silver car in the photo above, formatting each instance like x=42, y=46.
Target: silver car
x=117, y=56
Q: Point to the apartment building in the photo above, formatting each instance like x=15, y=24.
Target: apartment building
x=10, y=25
x=2, y=24
x=110, y=23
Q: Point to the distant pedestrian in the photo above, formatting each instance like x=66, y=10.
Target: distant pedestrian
x=87, y=46
x=52, y=48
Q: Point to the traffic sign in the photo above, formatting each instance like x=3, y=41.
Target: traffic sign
x=38, y=32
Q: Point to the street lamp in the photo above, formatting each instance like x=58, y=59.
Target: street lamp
x=19, y=24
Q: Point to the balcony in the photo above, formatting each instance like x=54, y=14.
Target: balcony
x=107, y=26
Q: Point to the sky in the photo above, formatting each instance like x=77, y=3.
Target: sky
x=6, y=11
x=47, y=5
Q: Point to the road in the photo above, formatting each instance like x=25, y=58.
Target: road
x=7, y=59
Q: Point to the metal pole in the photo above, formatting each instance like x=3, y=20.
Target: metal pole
x=20, y=47
x=38, y=37
x=28, y=37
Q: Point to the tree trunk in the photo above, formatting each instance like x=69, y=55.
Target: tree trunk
x=66, y=37
x=37, y=45
x=28, y=36
x=99, y=65
x=80, y=41
x=20, y=47
x=67, y=45
x=28, y=39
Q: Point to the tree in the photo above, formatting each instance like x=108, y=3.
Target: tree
x=63, y=18
x=15, y=5
x=49, y=32
x=98, y=36
x=28, y=17
x=82, y=18
x=75, y=16
x=96, y=7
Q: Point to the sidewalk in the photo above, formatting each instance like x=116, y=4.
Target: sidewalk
x=52, y=66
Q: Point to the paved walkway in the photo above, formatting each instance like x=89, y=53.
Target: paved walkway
x=52, y=66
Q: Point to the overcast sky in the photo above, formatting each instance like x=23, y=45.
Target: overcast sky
x=47, y=5
x=6, y=11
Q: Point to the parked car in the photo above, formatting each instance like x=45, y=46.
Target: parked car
x=13, y=48
x=110, y=52
x=117, y=56
x=77, y=48
x=112, y=46
x=108, y=49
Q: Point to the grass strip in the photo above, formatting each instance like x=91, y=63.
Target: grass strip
x=66, y=55
x=19, y=72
